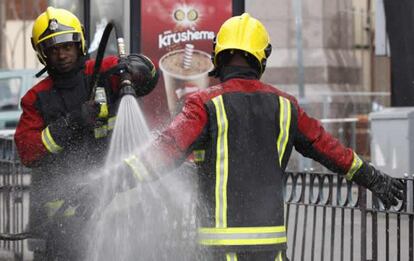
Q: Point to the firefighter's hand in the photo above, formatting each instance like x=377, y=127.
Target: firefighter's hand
x=94, y=195
x=143, y=73
x=120, y=178
x=85, y=116
x=388, y=189
x=86, y=200
x=63, y=129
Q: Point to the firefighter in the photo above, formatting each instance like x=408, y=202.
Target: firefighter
x=59, y=134
x=242, y=132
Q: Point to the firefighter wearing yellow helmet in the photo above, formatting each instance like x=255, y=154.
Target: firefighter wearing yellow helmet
x=62, y=134
x=246, y=35
x=56, y=26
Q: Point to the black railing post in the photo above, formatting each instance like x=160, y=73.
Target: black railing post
x=333, y=221
x=363, y=207
x=411, y=222
x=305, y=221
x=314, y=200
x=295, y=224
x=374, y=233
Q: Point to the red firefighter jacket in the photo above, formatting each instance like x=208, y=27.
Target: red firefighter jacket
x=33, y=120
x=242, y=133
x=56, y=174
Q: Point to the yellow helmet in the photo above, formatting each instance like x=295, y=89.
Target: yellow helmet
x=55, y=26
x=243, y=33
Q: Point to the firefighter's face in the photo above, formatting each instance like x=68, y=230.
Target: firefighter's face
x=63, y=57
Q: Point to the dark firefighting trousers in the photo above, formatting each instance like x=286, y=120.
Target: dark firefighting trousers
x=244, y=256
x=57, y=236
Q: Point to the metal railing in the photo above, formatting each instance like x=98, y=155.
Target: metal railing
x=14, y=200
x=329, y=218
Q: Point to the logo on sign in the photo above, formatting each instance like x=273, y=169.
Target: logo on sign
x=184, y=17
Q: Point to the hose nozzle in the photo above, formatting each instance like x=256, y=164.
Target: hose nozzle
x=127, y=90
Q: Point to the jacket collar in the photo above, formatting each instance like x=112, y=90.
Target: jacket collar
x=230, y=72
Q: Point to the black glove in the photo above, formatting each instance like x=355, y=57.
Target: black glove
x=86, y=116
x=98, y=193
x=386, y=188
x=87, y=198
x=63, y=129
x=143, y=73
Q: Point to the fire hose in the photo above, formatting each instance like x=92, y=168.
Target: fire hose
x=125, y=81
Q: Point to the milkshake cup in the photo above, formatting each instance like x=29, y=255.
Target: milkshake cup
x=184, y=74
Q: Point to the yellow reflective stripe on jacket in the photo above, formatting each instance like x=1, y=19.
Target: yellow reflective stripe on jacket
x=199, y=155
x=239, y=236
x=53, y=206
x=222, y=164
x=279, y=256
x=231, y=257
x=111, y=123
x=356, y=164
x=49, y=142
x=138, y=168
x=101, y=131
x=284, y=126
x=103, y=111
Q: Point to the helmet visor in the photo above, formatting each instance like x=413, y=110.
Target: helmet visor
x=58, y=39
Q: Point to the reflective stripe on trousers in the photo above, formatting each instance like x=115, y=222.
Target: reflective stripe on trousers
x=259, y=256
x=242, y=236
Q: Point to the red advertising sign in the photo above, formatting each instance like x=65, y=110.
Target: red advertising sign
x=177, y=35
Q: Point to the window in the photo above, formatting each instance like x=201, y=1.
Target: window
x=9, y=93
x=102, y=12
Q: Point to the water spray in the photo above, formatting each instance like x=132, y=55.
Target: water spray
x=147, y=221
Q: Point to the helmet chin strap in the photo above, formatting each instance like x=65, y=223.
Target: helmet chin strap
x=41, y=72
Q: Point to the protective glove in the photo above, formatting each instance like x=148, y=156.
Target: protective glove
x=59, y=133
x=86, y=116
x=143, y=73
x=87, y=199
x=96, y=194
x=386, y=188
